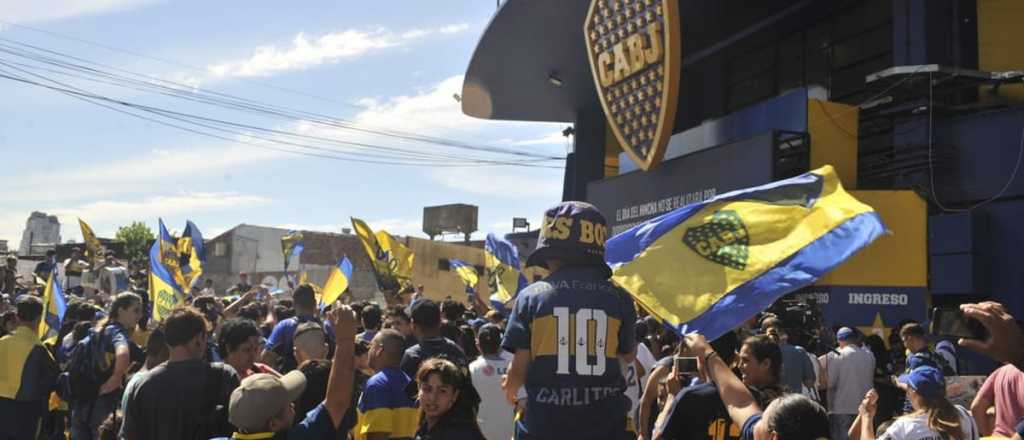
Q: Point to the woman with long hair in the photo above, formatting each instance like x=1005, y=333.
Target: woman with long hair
x=117, y=352
x=934, y=416
x=448, y=402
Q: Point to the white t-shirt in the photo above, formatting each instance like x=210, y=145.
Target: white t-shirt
x=495, y=414
x=916, y=428
x=851, y=374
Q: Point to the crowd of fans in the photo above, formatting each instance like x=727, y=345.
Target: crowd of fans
x=248, y=365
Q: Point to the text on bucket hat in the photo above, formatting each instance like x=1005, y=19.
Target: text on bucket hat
x=571, y=231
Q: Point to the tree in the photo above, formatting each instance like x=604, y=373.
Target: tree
x=136, y=238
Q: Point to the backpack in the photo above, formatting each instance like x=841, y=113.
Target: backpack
x=82, y=378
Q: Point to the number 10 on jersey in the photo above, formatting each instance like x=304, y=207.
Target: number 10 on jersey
x=584, y=340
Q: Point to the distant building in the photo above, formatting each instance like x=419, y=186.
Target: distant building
x=42, y=233
x=3, y=246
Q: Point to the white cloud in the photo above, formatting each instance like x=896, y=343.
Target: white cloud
x=105, y=179
x=433, y=112
x=35, y=11
x=509, y=183
x=105, y=215
x=307, y=51
x=398, y=226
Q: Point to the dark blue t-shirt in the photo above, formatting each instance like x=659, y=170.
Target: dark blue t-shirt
x=698, y=413
x=114, y=336
x=439, y=347
x=748, y=427
x=281, y=339
x=576, y=324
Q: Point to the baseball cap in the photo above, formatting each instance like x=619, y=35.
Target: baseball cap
x=845, y=334
x=261, y=397
x=926, y=380
x=489, y=333
x=571, y=231
x=426, y=313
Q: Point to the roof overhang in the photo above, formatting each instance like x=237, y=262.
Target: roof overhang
x=531, y=64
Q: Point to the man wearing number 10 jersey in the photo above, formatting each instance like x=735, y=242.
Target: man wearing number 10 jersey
x=568, y=332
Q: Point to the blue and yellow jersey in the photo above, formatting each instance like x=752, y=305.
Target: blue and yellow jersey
x=384, y=407
x=576, y=324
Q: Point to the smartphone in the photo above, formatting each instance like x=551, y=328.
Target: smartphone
x=951, y=322
x=685, y=364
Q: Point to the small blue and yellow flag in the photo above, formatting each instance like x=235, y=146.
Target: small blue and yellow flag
x=192, y=253
x=54, y=306
x=709, y=266
x=164, y=273
x=504, y=275
x=292, y=245
x=467, y=273
x=337, y=282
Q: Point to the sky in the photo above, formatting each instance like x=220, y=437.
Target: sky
x=382, y=65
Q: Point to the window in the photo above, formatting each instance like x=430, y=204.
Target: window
x=220, y=249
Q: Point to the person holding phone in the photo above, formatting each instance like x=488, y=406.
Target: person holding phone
x=698, y=412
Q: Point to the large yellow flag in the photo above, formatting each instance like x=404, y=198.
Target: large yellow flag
x=391, y=261
x=399, y=259
x=93, y=248
x=709, y=266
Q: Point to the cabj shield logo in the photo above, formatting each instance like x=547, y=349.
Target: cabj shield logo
x=634, y=52
x=723, y=240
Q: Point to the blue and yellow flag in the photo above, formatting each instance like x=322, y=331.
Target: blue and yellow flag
x=54, y=306
x=93, y=248
x=467, y=273
x=169, y=256
x=164, y=273
x=504, y=275
x=292, y=245
x=337, y=282
x=192, y=253
x=709, y=266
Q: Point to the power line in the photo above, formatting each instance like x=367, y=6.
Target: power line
x=111, y=104
x=198, y=69
x=182, y=91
